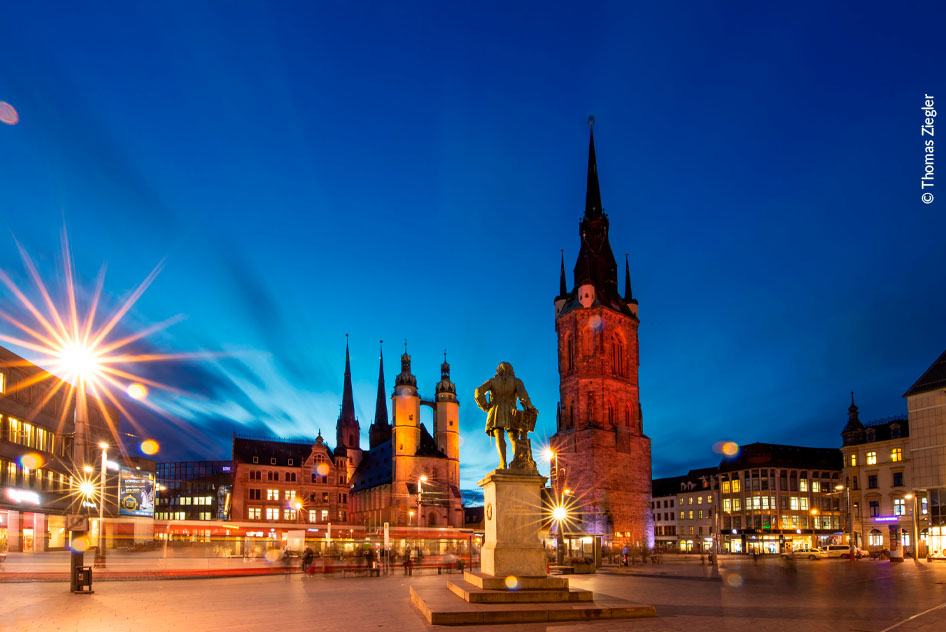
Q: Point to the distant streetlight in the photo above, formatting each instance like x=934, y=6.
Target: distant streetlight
x=420, y=480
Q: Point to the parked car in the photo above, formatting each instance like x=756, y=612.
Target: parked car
x=815, y=553
x=840, y=550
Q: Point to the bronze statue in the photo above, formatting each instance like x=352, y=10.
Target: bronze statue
x=505, y=390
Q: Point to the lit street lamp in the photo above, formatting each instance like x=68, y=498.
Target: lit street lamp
x=850, y=520
x=914, y=539
x=422, y=479
x=100, y=549
x=551, y=455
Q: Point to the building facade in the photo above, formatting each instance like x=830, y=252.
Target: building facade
x=194, y=490
x=778, y=498
x=877, y=479
x=684, y=511
x=926, y=407
x=408, y=476
x=39, y=471
x=603, y=453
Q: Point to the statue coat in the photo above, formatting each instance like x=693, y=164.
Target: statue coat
x=504, y=391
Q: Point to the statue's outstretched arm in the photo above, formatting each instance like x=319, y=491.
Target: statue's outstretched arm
x=480, y=394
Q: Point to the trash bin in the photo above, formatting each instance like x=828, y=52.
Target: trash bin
x=83, y=581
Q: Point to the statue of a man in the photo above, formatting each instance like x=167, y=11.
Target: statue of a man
x=505, y=390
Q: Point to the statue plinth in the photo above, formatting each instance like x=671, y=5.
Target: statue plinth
x=513, y=515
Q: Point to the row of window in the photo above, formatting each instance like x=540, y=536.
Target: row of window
x=896, y=481
x=273, y=513
x=33, y=436
x=14, y=475
x=290, y=494
x=186, y=500
x=896, y=455
x=764, y=480
x=180, y=515
x=768, y=521
x=290, y=477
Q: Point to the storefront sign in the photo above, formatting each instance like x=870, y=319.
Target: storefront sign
x=22, y=496
x=136, y=493
x=886, y=518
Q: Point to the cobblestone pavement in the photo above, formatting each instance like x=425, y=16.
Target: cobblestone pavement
x=825, y=595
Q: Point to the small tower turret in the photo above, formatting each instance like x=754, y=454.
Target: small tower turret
x=406, y=405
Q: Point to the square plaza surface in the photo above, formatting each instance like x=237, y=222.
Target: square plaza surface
x=770, y=594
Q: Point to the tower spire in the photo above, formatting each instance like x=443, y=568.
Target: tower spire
x=348, y=402
x=628, y=294
x=380, y=429
x=593, y=192
x=562, y=285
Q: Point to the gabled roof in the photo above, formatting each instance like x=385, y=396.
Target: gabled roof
x=933, y=380
x=244, y=449
x=428, y=447
x=694, y=480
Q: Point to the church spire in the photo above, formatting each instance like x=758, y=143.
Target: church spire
x=628, y=294
x=593, y=192
x=562, y=285
x=380, y=429
x=348, y=402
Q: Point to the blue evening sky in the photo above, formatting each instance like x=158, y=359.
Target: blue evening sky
x=412, y=170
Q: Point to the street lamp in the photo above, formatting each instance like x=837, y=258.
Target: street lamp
x=100, y=549
x=915, y=538
x=850, y=520
x=410, y=518
x=422, y=479
x=551, y=456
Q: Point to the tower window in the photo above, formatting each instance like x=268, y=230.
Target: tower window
x=611, y=415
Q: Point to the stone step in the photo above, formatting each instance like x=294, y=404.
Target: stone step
x=488, y=582
x=471, y=594
x=439, y=606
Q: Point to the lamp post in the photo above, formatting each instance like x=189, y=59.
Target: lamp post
x=914, y=538
x=422, y=479
x=552, y=456
x=100, y=549
x=852, y=555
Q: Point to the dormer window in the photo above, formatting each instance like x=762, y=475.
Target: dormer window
x=870, y=434
x=290, y=461
x=255, y=459
x=894, y=431
x=272, y=461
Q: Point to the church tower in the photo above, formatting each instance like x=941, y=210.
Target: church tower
x=380, y=430
x=447, y=422
x=604, y=457
x=347, y=430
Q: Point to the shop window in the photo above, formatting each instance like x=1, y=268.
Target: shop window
x=876, y=538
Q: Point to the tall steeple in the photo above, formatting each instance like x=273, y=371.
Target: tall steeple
x=852, y=431
x=380, y=430
x=593, y=192
x=347, y=431
x=595, y=264
x=628, y=294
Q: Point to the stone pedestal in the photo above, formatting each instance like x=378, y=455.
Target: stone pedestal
x=513, y=514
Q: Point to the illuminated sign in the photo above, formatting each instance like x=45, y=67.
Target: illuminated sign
x=225, y=468
x=136, y=493
x=886, y=518
x=22, y=496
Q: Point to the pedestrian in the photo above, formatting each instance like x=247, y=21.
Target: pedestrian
x=307, y=557
x=624, y=554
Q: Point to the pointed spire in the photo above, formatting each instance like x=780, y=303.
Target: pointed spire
x=853, y=422
x=593, y=192
x=562, y=285
x=381, y=407
x=348, y=402
x=445, y=386
x=628, y=295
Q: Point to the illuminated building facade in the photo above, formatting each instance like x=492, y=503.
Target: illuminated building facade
x=684, y=510
x=603, y=454
x=778, y=498
x=408, y=476
x=37, y=477
x=877, y=467
x=926, y=406
x=194, y=490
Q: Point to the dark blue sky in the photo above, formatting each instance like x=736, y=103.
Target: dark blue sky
x=413, y=170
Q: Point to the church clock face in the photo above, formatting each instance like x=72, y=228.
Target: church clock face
x=586, y=295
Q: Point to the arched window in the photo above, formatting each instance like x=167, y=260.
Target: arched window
x=617, y=355
x=571, y=414
x=591, y=409
x=876, y=538
x=587, y=341
x=610, y=415
x=627, y=417
x=432, y=520
x=570, y=353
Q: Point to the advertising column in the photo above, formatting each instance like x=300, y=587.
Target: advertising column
x=136, y=498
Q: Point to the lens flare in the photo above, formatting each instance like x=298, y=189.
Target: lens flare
x=597, y=323
x=734, y=580
x=137, y=391
x=730, y=448
x=512, y=582
x=31, y=461
x=322, y=469
x=150, y=446
x=559, y=513
x=79, y=544
x=8, y=114
x=271, y=556
x=87, y=488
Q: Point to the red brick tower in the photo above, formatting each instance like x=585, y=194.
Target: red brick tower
x=603, y=455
